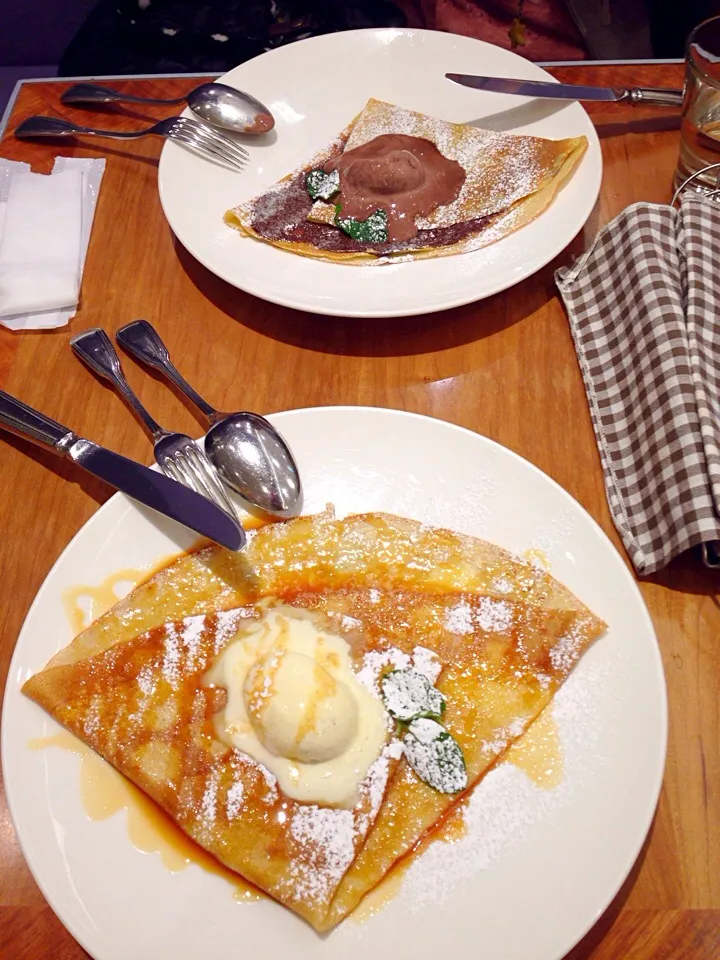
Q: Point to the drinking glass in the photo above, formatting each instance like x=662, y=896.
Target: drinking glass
x=700, y=130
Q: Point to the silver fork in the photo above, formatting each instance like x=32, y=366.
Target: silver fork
x=189, y=132
x=177, y=455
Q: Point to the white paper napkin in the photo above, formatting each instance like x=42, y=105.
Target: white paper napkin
x=45, y=225
x=7, y=169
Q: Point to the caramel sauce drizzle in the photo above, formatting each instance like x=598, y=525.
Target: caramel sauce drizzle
x=105, y=792
x=537, y=557
x=538, y=754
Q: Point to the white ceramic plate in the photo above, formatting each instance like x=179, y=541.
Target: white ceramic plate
x=536, y=868
x=314, y=88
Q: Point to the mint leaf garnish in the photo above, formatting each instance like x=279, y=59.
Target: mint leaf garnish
x=372, y=230
x=435, y=756
x=431, y=751
x=408, y=695
x=321, y=185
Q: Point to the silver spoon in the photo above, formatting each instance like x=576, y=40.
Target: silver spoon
x=245, y=449
x=215, y=103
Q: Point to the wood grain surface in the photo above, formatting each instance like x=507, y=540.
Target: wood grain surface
x=504, y=367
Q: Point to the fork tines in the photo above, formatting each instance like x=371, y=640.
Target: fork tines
x=190, y=466
x=195, y=134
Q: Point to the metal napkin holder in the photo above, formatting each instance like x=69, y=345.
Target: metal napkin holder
x=701, y=189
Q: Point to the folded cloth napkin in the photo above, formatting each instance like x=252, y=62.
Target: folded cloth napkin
x=644, y=310
x=45, y=224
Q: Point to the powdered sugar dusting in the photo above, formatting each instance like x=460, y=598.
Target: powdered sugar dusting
x=171, y=656
x=270, y=201
x=492, y=616
x=427, y=663
x=146, y=681
x=501, y=585
x=190, y=639
x=459, y=619
x=507, y=805
x=567, y=649
x=500, y=168
x=375, y=783
x=208, y=804
x=271, y=791
x=503, y=737
x=407, y=694
x=226, y=626
x=375, y=662
x=91, y=724
x=327, y=838
x=234, y=800
x=181, y=648
x=498, y=814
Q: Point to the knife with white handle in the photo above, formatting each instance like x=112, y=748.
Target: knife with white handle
x=654, y=96
x=147, y=486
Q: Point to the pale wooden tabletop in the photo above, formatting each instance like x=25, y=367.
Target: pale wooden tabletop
x=504, y=367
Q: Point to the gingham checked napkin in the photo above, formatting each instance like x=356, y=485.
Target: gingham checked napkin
x=644, y=309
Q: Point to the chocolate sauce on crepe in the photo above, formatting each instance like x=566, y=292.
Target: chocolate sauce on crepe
x=405, y=176
x=442, y=187
x=283, y=216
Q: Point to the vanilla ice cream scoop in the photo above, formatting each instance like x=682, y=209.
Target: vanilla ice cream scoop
x=295, y=705
x=298, y=709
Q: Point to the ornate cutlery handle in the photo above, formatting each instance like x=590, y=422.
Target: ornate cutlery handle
x=95, y=349
x=93, y=93
x=46, y=127
x=18, y=418
x=141, y=340
x=656, y=96
x=57, y=127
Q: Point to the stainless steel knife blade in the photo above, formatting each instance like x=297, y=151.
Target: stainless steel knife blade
x=569, y=91
x=155, y=490
x=147, y=486
x=536, y=88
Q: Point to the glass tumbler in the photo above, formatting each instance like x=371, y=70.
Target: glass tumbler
x=699, y=161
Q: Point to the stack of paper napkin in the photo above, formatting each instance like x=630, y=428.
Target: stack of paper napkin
x=45, y=224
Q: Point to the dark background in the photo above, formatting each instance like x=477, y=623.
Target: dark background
x=35, y=34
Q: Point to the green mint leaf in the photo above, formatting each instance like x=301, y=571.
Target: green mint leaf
x=435, y=756
x=372, y=230
x=409, y=695
x=321, y=185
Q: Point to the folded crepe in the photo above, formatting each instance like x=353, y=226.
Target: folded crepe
x=509, y=180
x=503, y=634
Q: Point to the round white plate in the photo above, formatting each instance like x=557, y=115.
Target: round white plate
x=537, y=866
x=314, y=88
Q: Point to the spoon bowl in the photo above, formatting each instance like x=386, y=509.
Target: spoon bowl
x=216, y=103
x=253, y=460
x=246, y=450
x=231, y=109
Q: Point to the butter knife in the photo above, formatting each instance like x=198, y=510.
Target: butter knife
x=655, y=96
x=147, y=486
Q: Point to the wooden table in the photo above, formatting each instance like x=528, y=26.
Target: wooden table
x=504, y=367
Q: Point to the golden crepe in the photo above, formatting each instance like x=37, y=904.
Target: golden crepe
x=503, y=633
x=510, y=180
